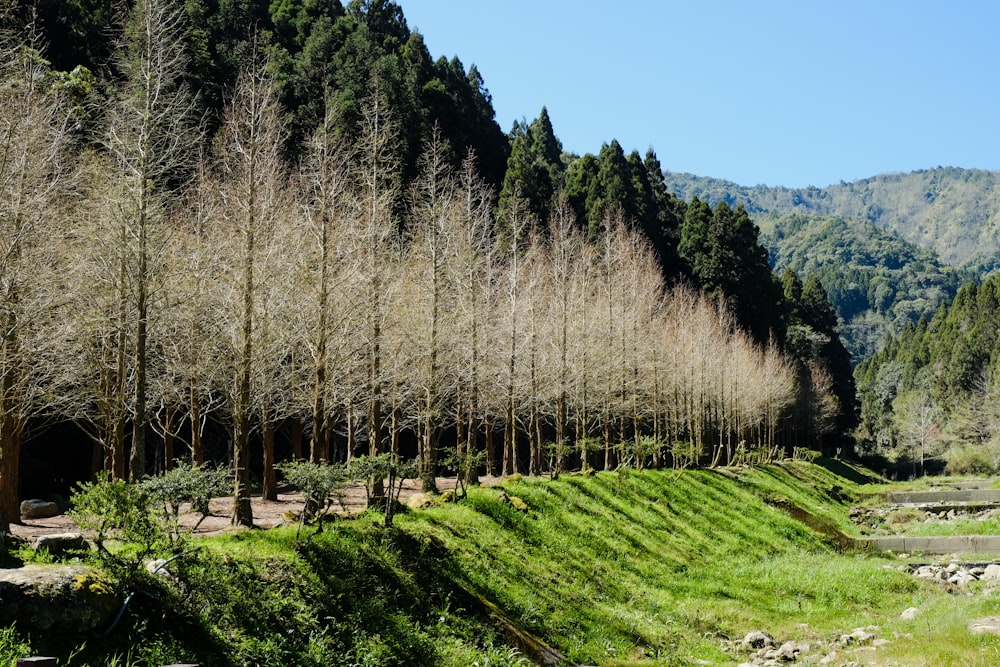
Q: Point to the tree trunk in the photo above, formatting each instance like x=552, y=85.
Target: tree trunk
x=269, y=489
x=10, y=462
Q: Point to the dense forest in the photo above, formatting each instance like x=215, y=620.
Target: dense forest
x=952, y=212
x=889, y=249
x=245, y=231
x=930, y=397
x=877, y=283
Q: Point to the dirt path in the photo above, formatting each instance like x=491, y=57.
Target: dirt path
x=266, y=513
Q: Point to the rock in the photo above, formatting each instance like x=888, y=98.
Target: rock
x=420, y=501
x=829, y=658
x=757, y=640
x=514, y=502
x=857, y=637
x=68, y=599
x=787, y=652
x=961, y=578
x=909, y=614
x=61, y=543
x=985, y=626
x=158, y=566
x=38, y=509
x=991, y=573
x=448, y=496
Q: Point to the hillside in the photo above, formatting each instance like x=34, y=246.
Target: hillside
x=616, y=568
x=952, y=212
x=876, y=282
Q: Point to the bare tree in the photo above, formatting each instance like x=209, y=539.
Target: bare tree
x=470, y=268
x=149, y=136
x=32, y=159
x=329, y=207
x=191, y=377
x=253, y=191
x=432, y=234
x=375, y=252
x=565, y=246
x=517, y=222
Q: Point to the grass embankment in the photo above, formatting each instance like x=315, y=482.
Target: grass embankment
x=650, y=568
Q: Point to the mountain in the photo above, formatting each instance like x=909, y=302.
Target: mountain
x=888, y=249
x=877, y=282
x=955, y=213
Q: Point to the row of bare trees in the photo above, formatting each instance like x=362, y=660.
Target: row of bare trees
x=161, y=281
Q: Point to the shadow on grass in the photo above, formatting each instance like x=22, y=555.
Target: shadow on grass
x=853, y=472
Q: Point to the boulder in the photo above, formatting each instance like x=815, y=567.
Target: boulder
x=757, y=640
x=985, y=626
x=38, y=509
x=991, y=573
x=61, y=543
x=65, y=599
x=514, y=502
x=858, y=637
x=787, y=652
x=909, y=614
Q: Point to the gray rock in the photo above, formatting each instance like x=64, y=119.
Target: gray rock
x=57, y=598
x=787, y=652
x=757, y=640
x=38, y=509
x=857, y=637
x=991, y=573
x=420, y=501
x=961, y=578
x=910, y=614
x=985, y=626
x=60, y=543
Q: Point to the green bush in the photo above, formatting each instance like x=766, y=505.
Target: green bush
x=188, y=483
x=969, y=460
x=321, y=484
x=127, y=528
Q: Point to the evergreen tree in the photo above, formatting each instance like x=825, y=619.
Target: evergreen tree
x=534, y=168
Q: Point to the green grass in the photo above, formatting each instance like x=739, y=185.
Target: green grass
x=661, y=568
x=617, y=568
x=958, y=526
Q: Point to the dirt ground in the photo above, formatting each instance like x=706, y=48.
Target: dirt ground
x=266, y=513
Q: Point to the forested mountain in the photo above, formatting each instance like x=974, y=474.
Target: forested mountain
x=242, y=231
x=877, y=283
x=932, y=393
x=889, y=249
x=955, y=213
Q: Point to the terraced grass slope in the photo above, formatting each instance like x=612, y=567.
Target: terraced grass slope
x=616, y=568
x=653, y=566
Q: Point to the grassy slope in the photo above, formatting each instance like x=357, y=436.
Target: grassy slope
x=651, y=567
x=655, y=568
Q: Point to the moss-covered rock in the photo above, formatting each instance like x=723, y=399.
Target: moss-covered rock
x=67, y=599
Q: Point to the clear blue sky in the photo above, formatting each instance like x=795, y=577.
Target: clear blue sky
x=783, y=92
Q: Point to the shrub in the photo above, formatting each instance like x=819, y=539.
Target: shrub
x=127, y=528
x=321, y=484
x=968, y=460
x=386, y=468
x=187, y=483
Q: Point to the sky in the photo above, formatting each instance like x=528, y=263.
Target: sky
x=774, y=92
